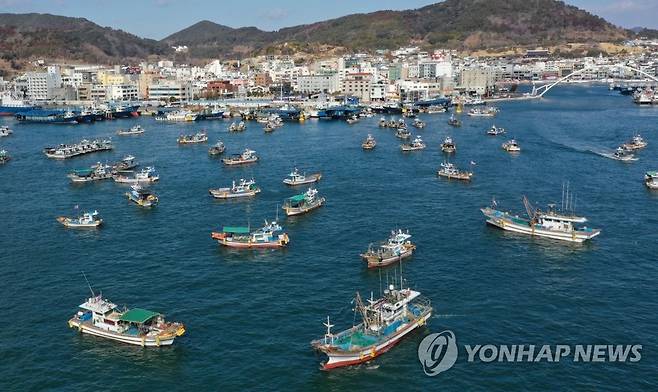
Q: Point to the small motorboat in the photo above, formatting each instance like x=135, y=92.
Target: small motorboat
x=247, y=156
x=87, y=220
x=4, y=157
x=403, y=133
x=651, y=179
x=495, y=131
x=448, y=146
x=217, y=148
x=636, y=143
x=5, y=131
x=418, y=123
x=624, y=155
x=511, y=146
x=454, y=121
x=369, y=143
x=237, y=127
x=142, y=196
x=297, y=178
x=352, y=120
x=135, y=130
x=199, y=137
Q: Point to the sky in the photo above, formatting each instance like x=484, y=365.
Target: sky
x=158, y=18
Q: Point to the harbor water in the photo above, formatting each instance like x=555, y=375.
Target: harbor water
x=250, y=315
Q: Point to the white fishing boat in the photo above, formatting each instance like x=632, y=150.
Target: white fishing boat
x=199, y=137
x=135, y=130
x=418, y=123
x=303, y=203
x=486, y=112
x=495, y=131
x=177, y=116
x=621, y=154
x=449, y=171
x=385, y=322
x=397, y=247
x=97, y=173
x=237, y=127
x=4, y=157
x=369, y=143
x=511, y=146
x=403, y=133
x=142, y=196
x=415, y=145
x=140, y=327
x=448, y=146
x=247, y=156
x=245, y=188
x=549, y=224
x=125, y=165
x=86, y=220
x=636, y=143
x=146, y=176
x=217, y=148
x=297, y=178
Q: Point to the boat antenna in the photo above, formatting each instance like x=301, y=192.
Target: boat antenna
x=277, y=212
x=401, y=274
x=562, y=205
x=88, y=284
x=381, y=293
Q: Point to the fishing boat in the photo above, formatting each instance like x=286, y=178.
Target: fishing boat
x=97, y=173
x=454, y=121
x=127, y=164
x=418, y=123
x=199, y=137
x=495, y=131
x=86, y=220
x=177, y=116
x=383, y=123
x=369, y=143
x=449, y=171
x=269, y=128
x=237, y=127
x=621, y=154
x=242, y=237
x=139, y=327
x=397, y=247
x=65, y=151
x=400, y=124
x=5, y=131
x=478, y=112
x=245, y=188
x=217, y=148
x=352, y=120
x=247, y=156
x=415, y=145
x=550, y=224
x=403, y=133
x=142, y=196
x=297, y=178
x=303, y=203
x=148, y=175
x=511, y=146
x=448, y=146
x=636, y=143
x=434, y=109
x=651, y=179
x=4, y=157
x=384, y=322
x=135, y=130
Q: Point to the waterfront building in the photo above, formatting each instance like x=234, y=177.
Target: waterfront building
x=180, y=91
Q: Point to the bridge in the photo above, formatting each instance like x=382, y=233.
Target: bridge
x=539, y=92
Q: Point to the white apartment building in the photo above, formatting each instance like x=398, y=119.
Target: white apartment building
x=327, y=83
x=40, y=85
x=181, y=91
x=122, y=92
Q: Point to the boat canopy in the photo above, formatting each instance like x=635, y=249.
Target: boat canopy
x=652, y=173
x=297, y=198
x=235, y=229
x=138, y=316
x=83, y=171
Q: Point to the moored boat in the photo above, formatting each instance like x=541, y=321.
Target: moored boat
x=385, y=322
x=199, y=137
x=403, y=133
x=352, y=120
x=369, y=143
x=86, y=220
x=237, y=127
x=5, y=131
x=418, y=123
x=64, y=151
x=511, y=146
x=448, y=146
x=454, y=121
x=479, y=112
x=247, y=156
x=142, y=196
x=397, y=247
x=135, y=130
x=97, y=173
x=217, y=148
x=127, y=164
x=146, y=176
x=449, y=171
x=297, y=178
x=494, y=131
x=245, y=188
x=303, y=203
x=178, y=116
x=242, y=237
x=551, y=224
x=415, y=145
x=140, y=327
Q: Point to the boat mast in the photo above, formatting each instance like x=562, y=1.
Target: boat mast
x=88, y=284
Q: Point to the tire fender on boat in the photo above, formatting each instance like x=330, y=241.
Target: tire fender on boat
x=373, y=352
x=143, y=341
x=157, y=341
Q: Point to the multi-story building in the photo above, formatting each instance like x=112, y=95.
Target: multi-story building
x=122, y=92
x=39, y=86
x=165, y=90
x=358, y=84
x=327, y=83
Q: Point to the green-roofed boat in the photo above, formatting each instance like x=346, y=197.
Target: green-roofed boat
x=243, y=237
x=303, y=203
x=140, y=327
x=96, y=173
x=651, y=179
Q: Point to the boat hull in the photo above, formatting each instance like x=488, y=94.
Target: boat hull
x=73, y=225
x=375, y=261
x=144, y=341
x=226, y=241
x=308, y=180
x=342, y=359
x=226, y=194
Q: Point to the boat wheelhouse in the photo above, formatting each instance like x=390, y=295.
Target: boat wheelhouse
x=140, y=327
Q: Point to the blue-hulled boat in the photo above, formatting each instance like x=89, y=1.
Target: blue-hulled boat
x=56, y=116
